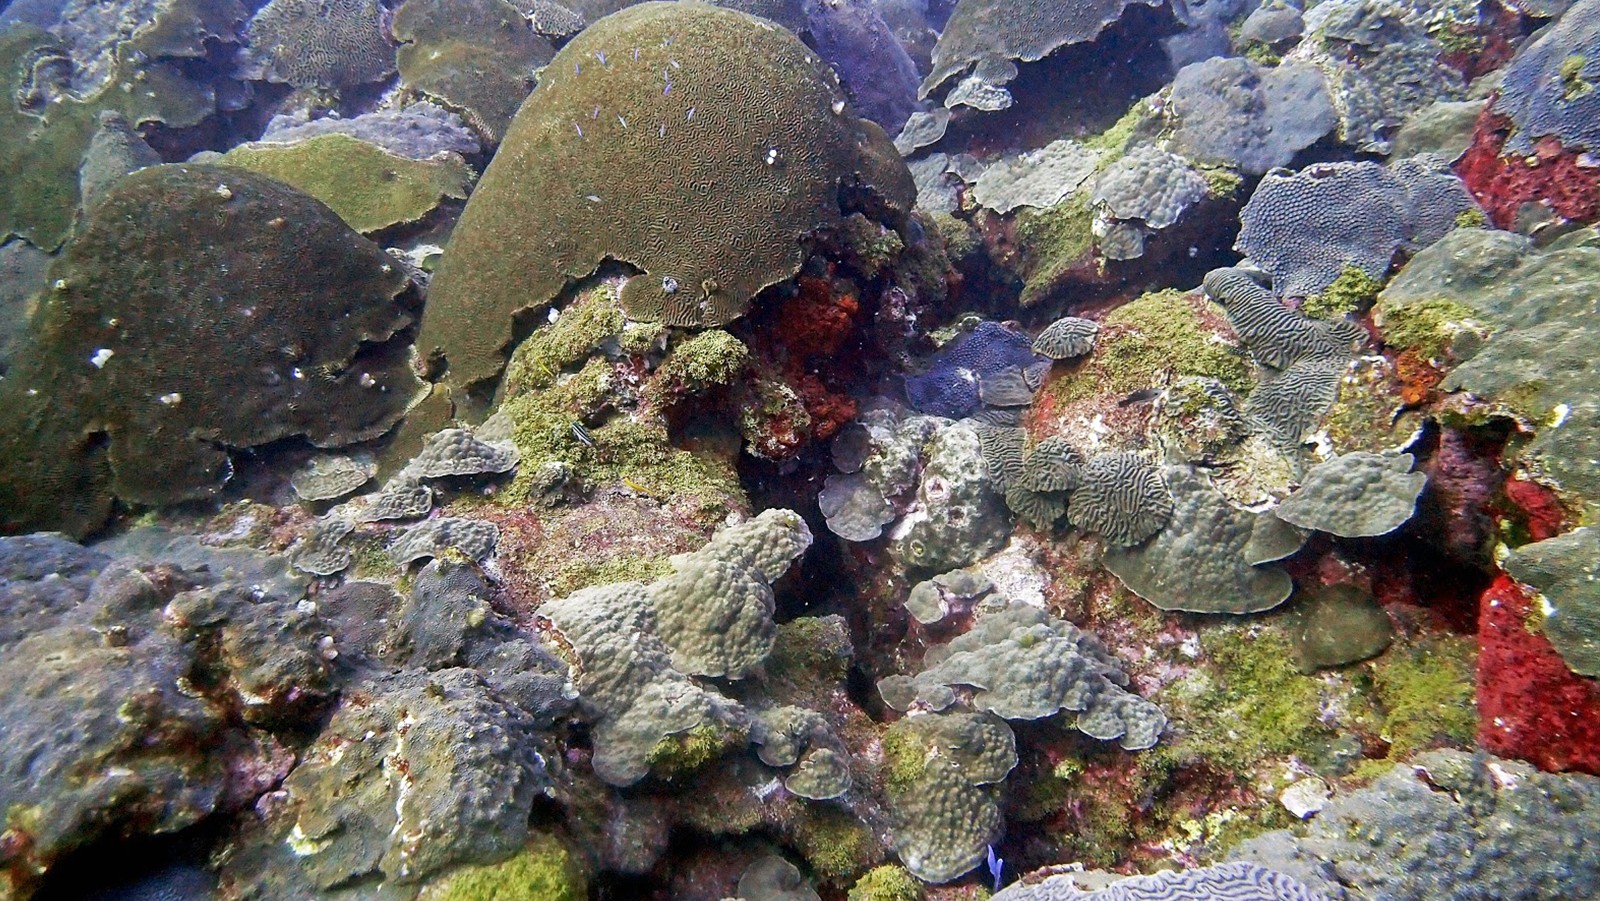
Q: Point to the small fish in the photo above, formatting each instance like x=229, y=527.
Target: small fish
x=579, y=128
x=997, y=868
x=690, y=117
x=600, y=55
x=1142, y=396
x=636, y=54
x=582, y=435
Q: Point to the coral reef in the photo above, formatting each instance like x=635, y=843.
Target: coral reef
x=476, y=56
x=1235, y=112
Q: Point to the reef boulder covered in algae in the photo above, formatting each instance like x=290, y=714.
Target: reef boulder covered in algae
x=462, y=449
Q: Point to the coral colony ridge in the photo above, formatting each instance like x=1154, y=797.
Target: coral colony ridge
x=799, y=450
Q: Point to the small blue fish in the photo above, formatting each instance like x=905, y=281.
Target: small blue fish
x=997, y=867
x=582, y=434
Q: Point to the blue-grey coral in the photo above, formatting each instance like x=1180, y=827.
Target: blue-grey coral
x=1020, y=663
x=327, y=477
x=417, y=132
x=1036, y=178
x=922, y=129
x=1550, y=86
x=1382, y=63
x=706, y=229
x=1233, y=111
x=321, y=551
x=430, y=538
x=854, y=509
x=1219, y=882
x=457, y=452
x=1566, y=571
x=877, y=73
x=983, y=37
x=1201, y=561
x=1449, y=825
x=1150, y=185
x=1306, y=228
x=1355, y=495
x=324, y=45
x=958, y=517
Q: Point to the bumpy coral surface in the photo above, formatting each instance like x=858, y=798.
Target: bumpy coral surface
x=769, y=155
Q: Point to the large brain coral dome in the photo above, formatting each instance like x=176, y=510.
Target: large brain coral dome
x=696, y=144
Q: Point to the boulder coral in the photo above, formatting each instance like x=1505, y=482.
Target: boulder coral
x=699, y=145
x=154, y=354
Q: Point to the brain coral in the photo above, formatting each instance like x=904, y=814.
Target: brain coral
x=322, y=45
x=697, y=144
x=154, y=353
x=1306, y=227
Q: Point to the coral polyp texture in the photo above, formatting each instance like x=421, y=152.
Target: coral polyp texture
x=153, y=355
x=1549, y=88
x=1025, y=665
x=1221, y=882
x=1305, y=228
x=699, y=145
x=325, y=45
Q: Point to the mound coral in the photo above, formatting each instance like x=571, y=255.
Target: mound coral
x=1235, y=112
x=165, y=353
x=772, y=140
x=477, y=56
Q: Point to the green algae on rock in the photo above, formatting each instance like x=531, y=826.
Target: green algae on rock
x=154, y=354
x=370, y=188
x=699, y=145
x=41, y=149
x=544, y=870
